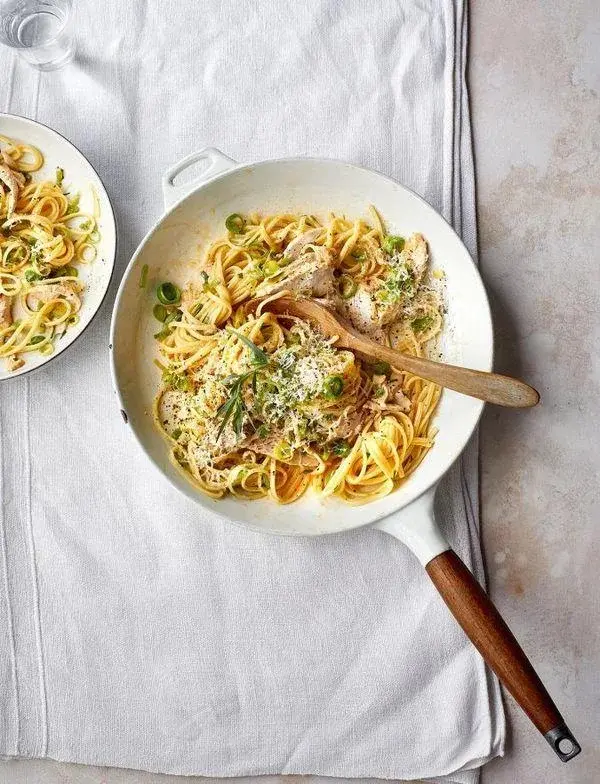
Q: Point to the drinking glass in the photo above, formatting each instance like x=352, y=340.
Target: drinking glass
x=38, y=30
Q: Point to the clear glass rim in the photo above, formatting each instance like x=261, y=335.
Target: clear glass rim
x=66, y=7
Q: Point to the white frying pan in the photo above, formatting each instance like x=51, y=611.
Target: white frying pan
x=196, y=213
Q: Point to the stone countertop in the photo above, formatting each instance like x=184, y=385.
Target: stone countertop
x=535, y=85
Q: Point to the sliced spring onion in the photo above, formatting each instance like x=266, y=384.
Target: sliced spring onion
x=164, y=333
x=173, y=315
x=60, y=176
x=379, y=368
x=263, y=431
x=168, y=293
x=270, y=268
x=348, y=287
x=15, y=256
x=422, y=323
x=340, y=448
x=144, y=276
x=392, y=243
x=36, y=339
x=73, y=205
x=160, y=312
x=234, y=223
x=333, y=386
x=71, y=272
x=31, y=275
x=283, y=451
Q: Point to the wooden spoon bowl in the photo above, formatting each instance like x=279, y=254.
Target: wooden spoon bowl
x=491, y=387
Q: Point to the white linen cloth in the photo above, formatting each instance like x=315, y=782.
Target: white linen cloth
x=135, y=630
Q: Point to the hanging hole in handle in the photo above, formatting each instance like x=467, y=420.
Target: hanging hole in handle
x=565, y=746
x=563, y=742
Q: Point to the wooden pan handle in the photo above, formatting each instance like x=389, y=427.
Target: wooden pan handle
x=488, y=632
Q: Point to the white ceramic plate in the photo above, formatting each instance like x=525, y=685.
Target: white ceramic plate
x=316, y=186
x=80, y=177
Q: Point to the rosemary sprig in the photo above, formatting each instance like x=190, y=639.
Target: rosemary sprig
x=234, y=407
x=260, y=358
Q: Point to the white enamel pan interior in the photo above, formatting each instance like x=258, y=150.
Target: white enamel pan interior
x=80, y=177
x=195, y=216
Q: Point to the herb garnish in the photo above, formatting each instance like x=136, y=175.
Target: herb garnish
x=234, y=407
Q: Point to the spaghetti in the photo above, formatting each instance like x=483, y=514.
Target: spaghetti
x=44, y=237
x=262, y=405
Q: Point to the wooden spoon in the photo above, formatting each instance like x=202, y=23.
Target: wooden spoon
x=491, y=387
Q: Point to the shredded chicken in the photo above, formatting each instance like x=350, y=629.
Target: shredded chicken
x=310, y=273
x=296, y=247
x=397, y=396
x=67, y=290
x=369, y=311
x=415, y=255
x=366, y=312
x=11, y=186
x=349, y=425
x=14, y=363
x=6, y=318
x=19, y=176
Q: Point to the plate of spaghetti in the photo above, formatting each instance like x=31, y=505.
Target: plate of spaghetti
x=57, y=244
x=246, y=411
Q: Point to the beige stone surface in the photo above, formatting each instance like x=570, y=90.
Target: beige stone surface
x=535, y=78
x=535, y=84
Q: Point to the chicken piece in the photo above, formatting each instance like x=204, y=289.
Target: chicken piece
x=6, y=318
x=378, y=301
x=296, y=246
x=67, y=290
x=11, y=185
x=309, y=273
x=349, y=425
x=397, y=396
x=14, y=363
x=368, y=313
x=416, y=256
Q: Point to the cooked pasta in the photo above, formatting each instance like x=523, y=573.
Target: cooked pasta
x=261, y=405
x=44, y=237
